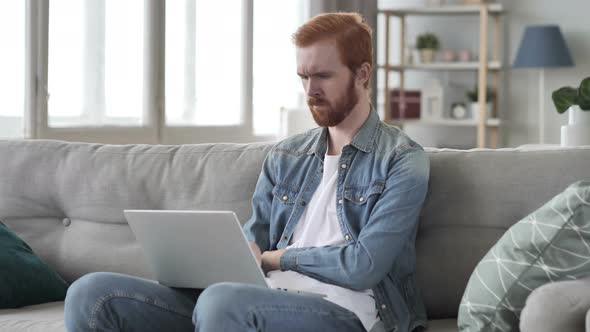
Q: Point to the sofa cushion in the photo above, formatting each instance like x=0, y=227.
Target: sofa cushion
x=24, y=278
x=47, y=317
x=551, y=244
x=474, y=196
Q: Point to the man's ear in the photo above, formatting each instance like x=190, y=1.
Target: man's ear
x=363, y=73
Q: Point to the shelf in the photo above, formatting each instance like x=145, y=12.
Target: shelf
x=494, y=8
x=492, y=65
x=495, y=122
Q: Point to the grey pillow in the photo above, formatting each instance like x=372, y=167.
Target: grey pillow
x=551, y=244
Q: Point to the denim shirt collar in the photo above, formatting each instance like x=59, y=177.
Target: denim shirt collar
x=364, y=140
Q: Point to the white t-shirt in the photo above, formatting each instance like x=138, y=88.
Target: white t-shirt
x=319, y=227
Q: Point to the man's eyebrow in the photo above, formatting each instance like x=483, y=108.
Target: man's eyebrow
x=315, y=73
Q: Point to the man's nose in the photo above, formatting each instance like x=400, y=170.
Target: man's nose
x=313, y=88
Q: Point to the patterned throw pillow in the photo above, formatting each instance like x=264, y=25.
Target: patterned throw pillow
x=551, y=244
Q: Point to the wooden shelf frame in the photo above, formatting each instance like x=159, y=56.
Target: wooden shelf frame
x=486, y=12
x=493, y=9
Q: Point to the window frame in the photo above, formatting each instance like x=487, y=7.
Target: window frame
x=155, y=130
x=12, y=125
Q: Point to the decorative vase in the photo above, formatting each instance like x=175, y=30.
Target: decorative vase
x=474, y=2
x=465, y=55
x=474, y=106
x=435, y=2
x=426, y=55
x=577, y=131
x=448, y=55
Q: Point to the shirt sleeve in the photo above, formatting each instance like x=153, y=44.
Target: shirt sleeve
x=391, y=228
x=257, y=228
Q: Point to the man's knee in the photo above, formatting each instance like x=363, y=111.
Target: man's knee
x=220, y=301
x=89, y=288
x=83, y=296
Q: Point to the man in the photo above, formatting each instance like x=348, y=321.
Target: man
x=335, y=211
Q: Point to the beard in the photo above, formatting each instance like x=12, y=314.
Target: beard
x=330, y=116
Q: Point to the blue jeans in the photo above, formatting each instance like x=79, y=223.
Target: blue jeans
x=115, y=302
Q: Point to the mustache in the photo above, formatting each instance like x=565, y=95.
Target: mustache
x=312, y=101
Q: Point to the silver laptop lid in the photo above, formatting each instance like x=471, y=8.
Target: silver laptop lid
x=194, y=249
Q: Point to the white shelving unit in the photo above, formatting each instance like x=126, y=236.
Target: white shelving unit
x=495, y=122
x=492, y=65
x=484, y=66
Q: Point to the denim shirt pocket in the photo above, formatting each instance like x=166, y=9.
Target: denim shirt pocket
x=285, y=193
x=360, y=195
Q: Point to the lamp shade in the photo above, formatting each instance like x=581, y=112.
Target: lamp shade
x=543, y=46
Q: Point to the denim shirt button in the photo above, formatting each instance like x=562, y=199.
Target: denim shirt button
x=285, y=198
x=347, y=237
x=362, y=199
x=302, y=203
x=343, y=165
x=383, y=306
x=339, y=201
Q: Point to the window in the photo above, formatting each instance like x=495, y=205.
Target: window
x=203, y=63
x=150, y=71
x=124, y=61
x=95, y=63
x=12, y=67
x=276, y=84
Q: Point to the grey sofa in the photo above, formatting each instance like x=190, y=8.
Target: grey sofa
x=66, y=201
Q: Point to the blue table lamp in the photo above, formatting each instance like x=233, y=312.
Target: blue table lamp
x=542, y=46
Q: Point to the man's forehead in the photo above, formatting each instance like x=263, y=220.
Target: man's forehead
x=319, y=56
x=311, y=68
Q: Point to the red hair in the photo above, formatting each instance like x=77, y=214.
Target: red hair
x=351, y=33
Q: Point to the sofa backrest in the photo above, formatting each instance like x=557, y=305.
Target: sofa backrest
x=67, y=199
x=474, y=196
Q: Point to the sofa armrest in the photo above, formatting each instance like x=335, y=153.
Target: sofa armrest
x=557, y=306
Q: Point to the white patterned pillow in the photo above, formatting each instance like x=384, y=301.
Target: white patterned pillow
x=551, y=244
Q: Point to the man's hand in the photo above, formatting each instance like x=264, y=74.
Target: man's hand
x=271, y=260
x=256, y=251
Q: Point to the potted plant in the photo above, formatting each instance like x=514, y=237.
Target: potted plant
x=472, y=97
x=427, y=44
x=576, y=101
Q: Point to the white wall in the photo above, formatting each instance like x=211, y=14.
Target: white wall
x=523, y=95
x=519, y=93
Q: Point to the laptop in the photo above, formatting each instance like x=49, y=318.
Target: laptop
x=195, y=249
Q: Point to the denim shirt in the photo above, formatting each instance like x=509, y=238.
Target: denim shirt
x=382, y=182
